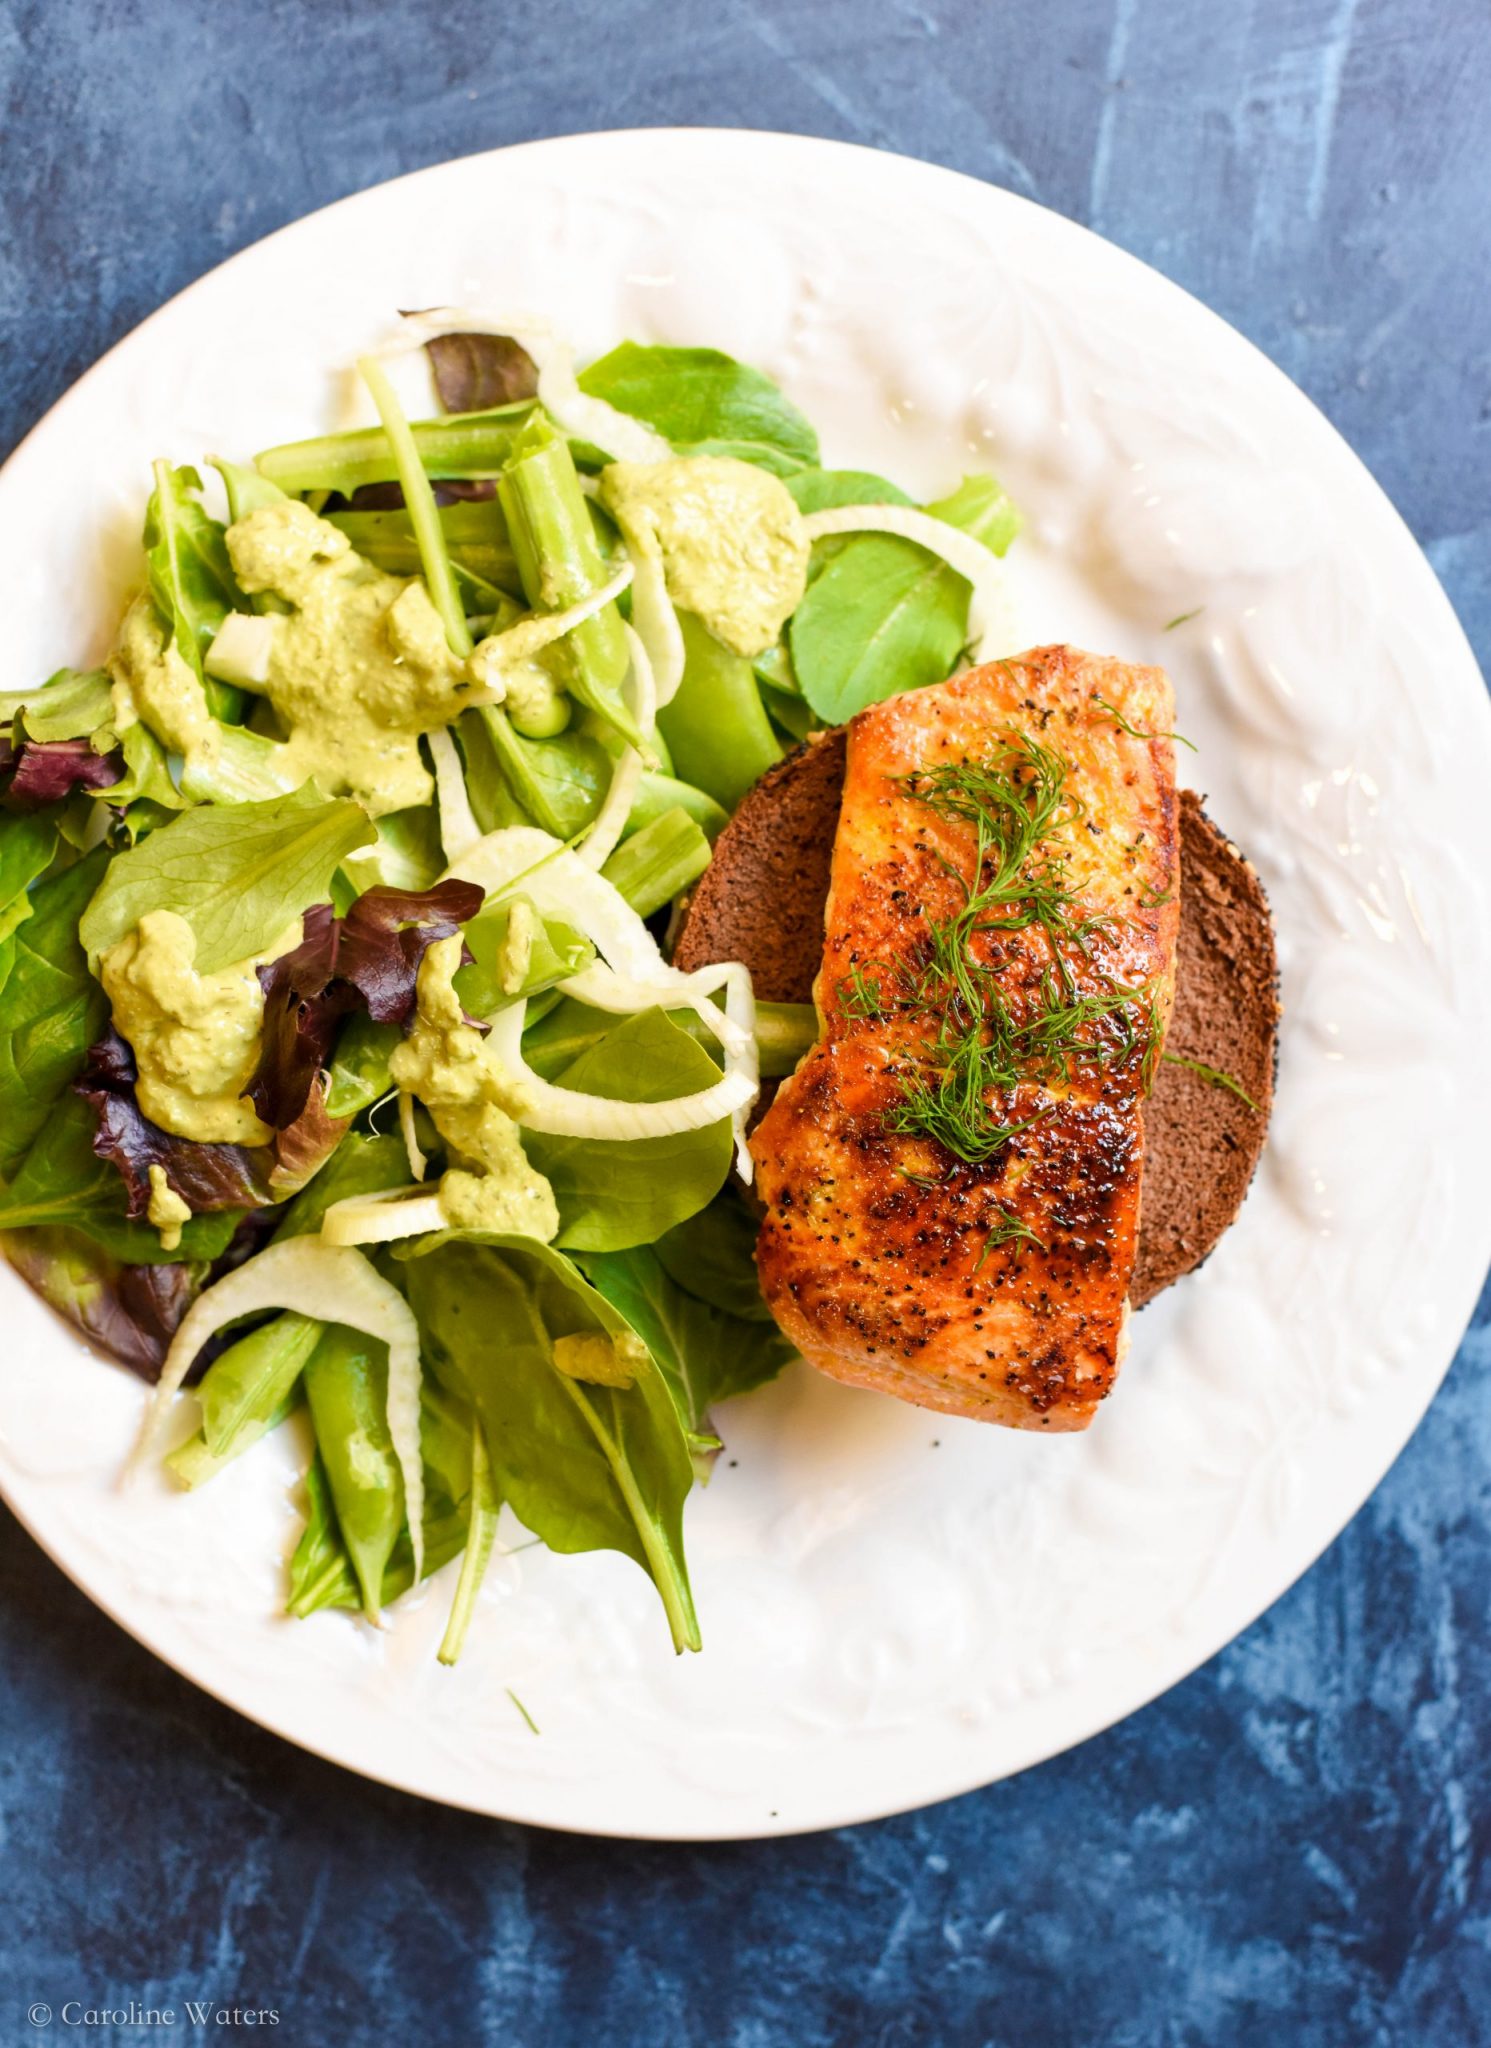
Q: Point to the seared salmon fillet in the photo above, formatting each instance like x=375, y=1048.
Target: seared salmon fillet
x=952, y=1176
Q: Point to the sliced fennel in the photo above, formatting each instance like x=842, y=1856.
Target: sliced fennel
x=332, y=1284
x=459, y=830
x=604, y=835
x=565, y=1113
x=961, y=551
x=653, y=614
x=241, y=650
x=383, y=1218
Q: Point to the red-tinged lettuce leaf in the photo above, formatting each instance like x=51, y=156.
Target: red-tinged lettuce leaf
x=129, y=1311
x=303, y=1148
x=205, y=1176
x=43, y=771
x=474, y=372
x=304, y=1005
x=386, y=934
x=367, y=960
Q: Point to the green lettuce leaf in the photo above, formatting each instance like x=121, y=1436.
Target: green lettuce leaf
x=191, y=577
x=69, y=705
x=705, y=403
x=28, y=842
x=611, y=1195
x=51, y=1009
x=238, y=874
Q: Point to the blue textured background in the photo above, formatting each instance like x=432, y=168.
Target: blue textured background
x=1291, y=1848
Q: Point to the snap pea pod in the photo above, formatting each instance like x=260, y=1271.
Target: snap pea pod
x=321, y=1572
x=346, y=1384
x=475, y=539
x=653, y=865
x=192, y=1464
x=559, y=782
x=716, y=727
x=244, y=1394
x=466, y=445
x=553, y=539
x=659, y=793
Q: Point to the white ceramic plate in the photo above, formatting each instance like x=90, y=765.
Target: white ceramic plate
x=896, y=1607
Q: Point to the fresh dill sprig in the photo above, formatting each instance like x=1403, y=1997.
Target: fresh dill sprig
x=860, y=995
x=1008, y=1230
x=1184, y=618
x=1215, y=1075
x=1137, y=732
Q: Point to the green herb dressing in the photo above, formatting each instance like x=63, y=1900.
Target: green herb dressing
x=734, y=547
x=359, y=665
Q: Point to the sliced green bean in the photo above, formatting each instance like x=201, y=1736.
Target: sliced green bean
x=468, y=445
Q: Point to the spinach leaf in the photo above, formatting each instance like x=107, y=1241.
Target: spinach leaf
x=363, y=1164
x=27, y=845
x=705, y=403
x=717, y=730
x=238, y=873
x=51, y=1009
x=63, y=1180
x=881, y=617
x=817, y=490
x=713, y=1255
x=67, y=706
x=584, y=1467
x=705, y=1355
x=612, y=1195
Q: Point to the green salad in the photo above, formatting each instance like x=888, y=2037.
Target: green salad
x=342, y=1064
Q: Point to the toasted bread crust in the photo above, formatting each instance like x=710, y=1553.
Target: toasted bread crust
x=762, y=899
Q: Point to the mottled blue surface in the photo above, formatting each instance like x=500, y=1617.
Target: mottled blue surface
x=1291, y=1848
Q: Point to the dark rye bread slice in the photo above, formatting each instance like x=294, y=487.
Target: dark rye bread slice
x=762, y=900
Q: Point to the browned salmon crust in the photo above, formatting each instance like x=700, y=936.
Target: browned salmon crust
x=876, y=1254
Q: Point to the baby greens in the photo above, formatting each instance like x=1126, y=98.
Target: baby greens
x=570, y=1376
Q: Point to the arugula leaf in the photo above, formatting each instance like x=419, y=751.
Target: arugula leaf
x=238, y=873
x=612, y=1195
x=584, y=1467
x=881, y=617
x=62, y=1180
x=51, y=1009
x=191, y=577
x=713, y=1255
x=705, y=1354
x=818, y=490
x=705, y=403
x=69, y=705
